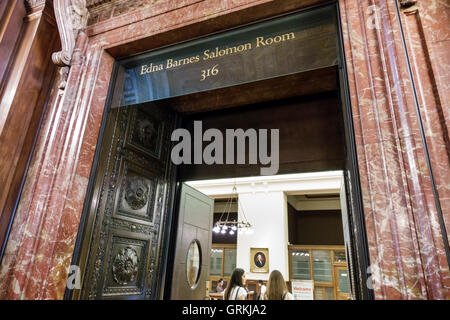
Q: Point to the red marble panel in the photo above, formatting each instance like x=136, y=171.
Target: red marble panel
x=34, y=234
x=426, y=41
x=23, y=95
x=405, y=242
x=76, y=192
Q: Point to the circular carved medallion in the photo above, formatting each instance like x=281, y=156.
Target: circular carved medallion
x=125, y=266
x=146, y=132
x=136, y=193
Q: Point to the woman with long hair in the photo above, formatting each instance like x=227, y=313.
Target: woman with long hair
x=276, y=288
x=235, y=289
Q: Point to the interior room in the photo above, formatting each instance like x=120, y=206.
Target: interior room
x=294, y=219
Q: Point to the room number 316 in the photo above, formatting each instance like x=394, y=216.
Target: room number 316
x=210, y=72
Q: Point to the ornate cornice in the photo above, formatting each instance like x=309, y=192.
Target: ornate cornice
x=93, y=3
x=34, y=3
x=71, y=16
x=407, y=3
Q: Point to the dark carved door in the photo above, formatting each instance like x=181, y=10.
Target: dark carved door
x=193, y=245
x=122, y=248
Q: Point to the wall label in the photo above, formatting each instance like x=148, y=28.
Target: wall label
x=291, y=44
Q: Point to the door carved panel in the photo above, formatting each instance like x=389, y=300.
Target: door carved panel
x=121, y=249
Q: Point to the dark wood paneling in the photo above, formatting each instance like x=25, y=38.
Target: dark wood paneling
x=292, y=229
x=321, y=227
x=300, y=84
x=311, y=135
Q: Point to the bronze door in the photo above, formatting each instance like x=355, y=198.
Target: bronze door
x=193, y=245
x=121, y=251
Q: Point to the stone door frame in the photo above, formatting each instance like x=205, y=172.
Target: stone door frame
x=405, y=206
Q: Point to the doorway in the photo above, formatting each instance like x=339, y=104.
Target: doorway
x=127, y=242
x=295, y=223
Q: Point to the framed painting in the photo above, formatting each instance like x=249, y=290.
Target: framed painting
x=259, y=260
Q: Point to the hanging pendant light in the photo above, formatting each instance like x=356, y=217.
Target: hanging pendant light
x=241, y=227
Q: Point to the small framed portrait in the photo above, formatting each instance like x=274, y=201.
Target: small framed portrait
x=259, y=260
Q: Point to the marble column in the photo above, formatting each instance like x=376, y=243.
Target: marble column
x=43, y=234
x=427, y=36
x=406, y=245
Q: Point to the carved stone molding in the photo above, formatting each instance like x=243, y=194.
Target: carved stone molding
x=32, y=5
x=63, y=75
x=71, y=16
x=407, y=3
x=93, y=3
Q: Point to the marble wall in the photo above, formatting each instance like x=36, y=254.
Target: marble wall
x=406, y=244
x=405, y=239
x=427, y=37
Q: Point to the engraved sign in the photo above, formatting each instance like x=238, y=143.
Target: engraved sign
x=286, y=45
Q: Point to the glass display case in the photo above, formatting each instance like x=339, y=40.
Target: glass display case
x=323, y=293
x=343, y=281
x=325, y=265
x=339, y=256
x=322, y=266
x=229, y=261
x=216, y=262
x=300, y=265
x=222, y=263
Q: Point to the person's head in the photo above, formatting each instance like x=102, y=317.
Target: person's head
x=259, y=257
x=276, y=286
x=237, y=279
x=220, y=283
x=260, y=283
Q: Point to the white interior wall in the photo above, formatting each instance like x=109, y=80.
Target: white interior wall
x=264, y=201
x=268, y=214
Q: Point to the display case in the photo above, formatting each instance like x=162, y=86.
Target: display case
x=301, y=269
x=322, y=267
x=215, y=266
x=229, y=261
x=222, y=263
x=326, y=265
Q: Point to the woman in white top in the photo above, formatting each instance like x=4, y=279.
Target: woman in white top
x=276, y=288
x=235, y=289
